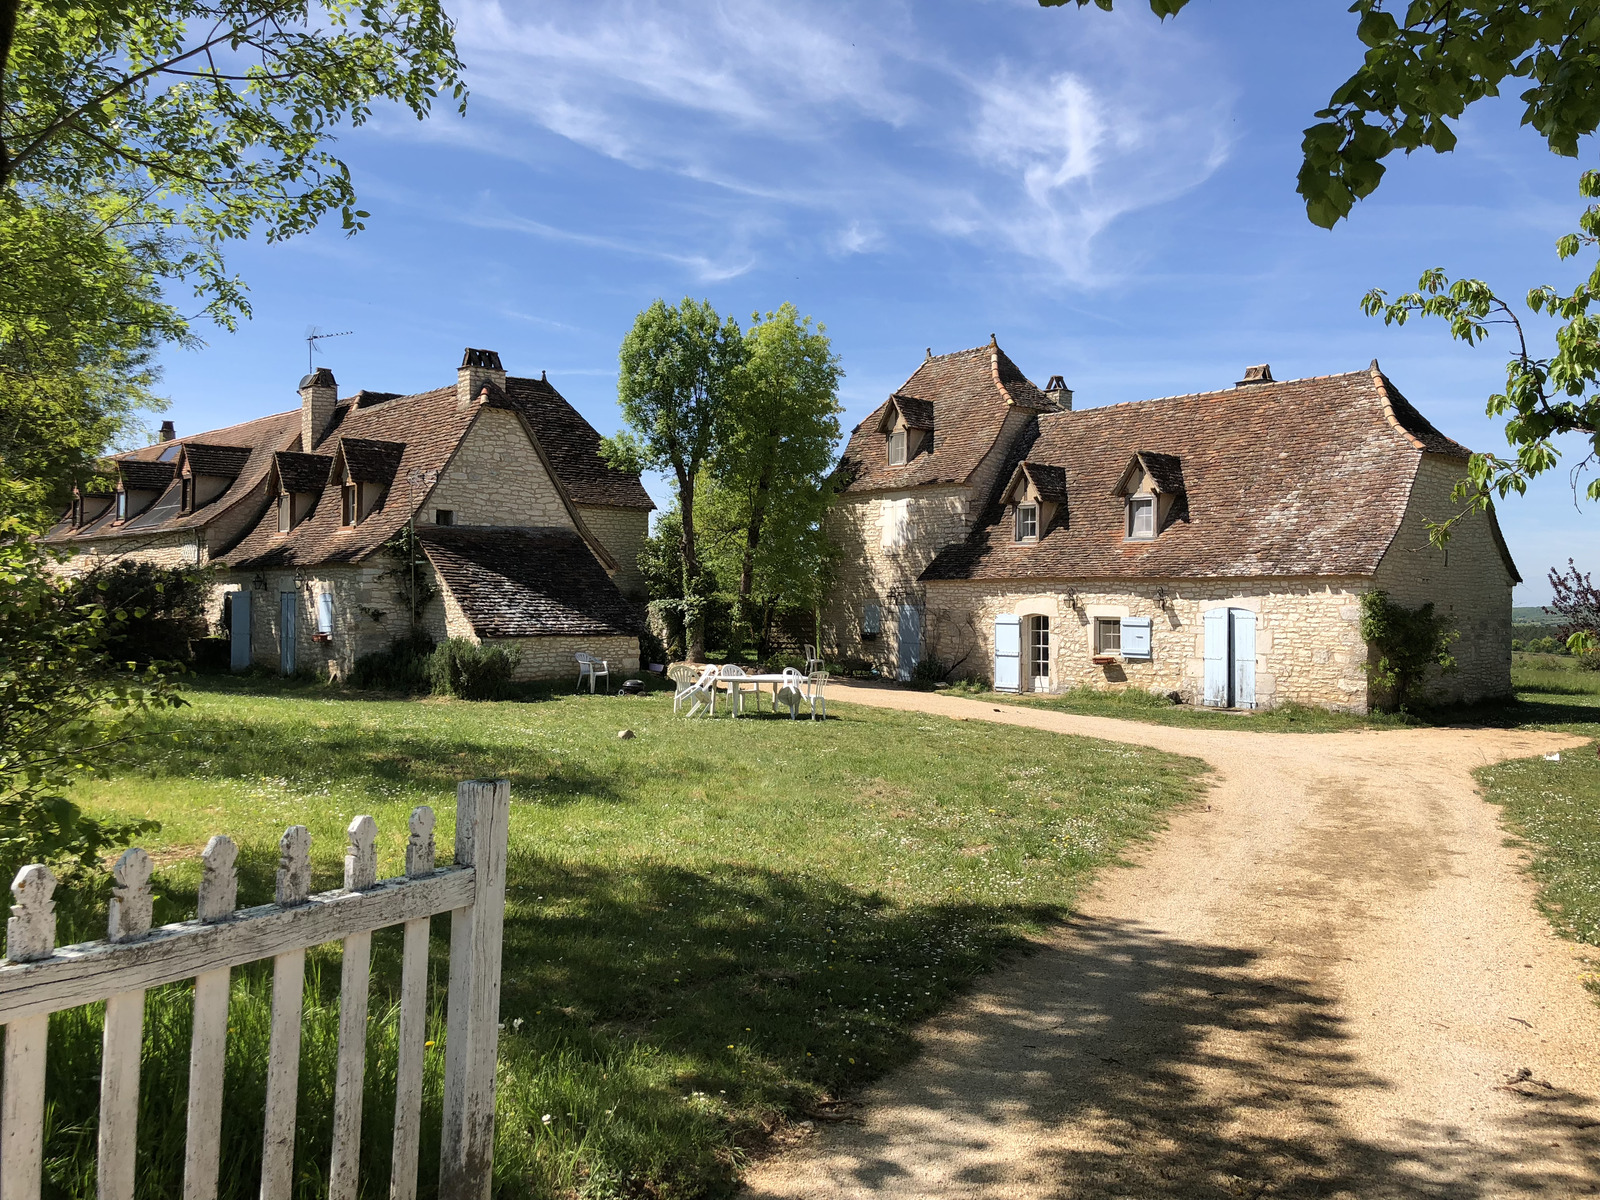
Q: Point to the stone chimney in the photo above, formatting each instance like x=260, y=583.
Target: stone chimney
x=319, y=396
x=169, y=432
x=1058, y=391
x=478, y=367
x=1257, y=374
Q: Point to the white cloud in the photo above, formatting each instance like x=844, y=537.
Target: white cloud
x=854, y=127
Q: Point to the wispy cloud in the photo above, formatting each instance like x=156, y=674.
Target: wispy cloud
x=851, y=127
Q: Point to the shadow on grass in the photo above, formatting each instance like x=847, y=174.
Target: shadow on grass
x=1183, y=1071
x=659, y=1020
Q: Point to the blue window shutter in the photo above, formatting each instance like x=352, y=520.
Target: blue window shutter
x=1135, y=637
x=1244, y=658
x=1007, y=653
x=325, y=612
x=1216, y=680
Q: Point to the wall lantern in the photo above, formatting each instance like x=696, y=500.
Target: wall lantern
x=1072, y=597
x=259, y=583
x=1161, y=597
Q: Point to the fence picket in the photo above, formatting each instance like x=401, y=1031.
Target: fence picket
x=288, y=1000
x=483, y=813
x=360, y=873
x=219, y=892
x=413, y=1020
x=30, y=937
x=123, y=1038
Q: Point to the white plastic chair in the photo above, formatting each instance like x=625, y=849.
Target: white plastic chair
x=733, y=675
x=700, y=690
x=791, y=693
x=818, y=702
x=813, y=660
x=592, y=668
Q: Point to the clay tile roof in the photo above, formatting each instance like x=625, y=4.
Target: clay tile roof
x=970, y=393
x=1302, y=478
x=918, y=413
x=303, y=472
x=370, y=461
x=1048, y=480
x=1166, y=470
x=225, y=461
x=144, y=475
x=573, y=447
x=527, y=582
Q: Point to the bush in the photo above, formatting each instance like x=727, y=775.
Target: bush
x=469, y=671
x=157, y=611
x=211, y=655
x=403, y=667
x=1408, y=641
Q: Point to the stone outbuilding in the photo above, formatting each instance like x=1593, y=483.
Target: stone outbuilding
x=484, y=504
x=1214, y=545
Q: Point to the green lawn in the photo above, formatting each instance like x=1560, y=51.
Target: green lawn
x=710, y=929
x=1553, y=807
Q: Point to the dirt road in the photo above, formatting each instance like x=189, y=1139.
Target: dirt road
x=1331, y=982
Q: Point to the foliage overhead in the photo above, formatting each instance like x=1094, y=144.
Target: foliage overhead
x=64, y=712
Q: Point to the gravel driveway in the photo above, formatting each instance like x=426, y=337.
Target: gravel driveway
x=1329, y=981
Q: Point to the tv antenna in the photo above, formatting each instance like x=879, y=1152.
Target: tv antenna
x=314, y=335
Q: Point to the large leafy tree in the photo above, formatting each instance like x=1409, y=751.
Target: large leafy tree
x=774, y=459
x=137, y=139
x=680, y=372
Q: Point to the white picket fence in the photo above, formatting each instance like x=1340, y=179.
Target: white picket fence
x=39, y=978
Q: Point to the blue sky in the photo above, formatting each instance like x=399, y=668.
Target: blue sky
x=1111, y=196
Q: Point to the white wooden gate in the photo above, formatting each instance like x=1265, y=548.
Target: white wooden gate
x=1007, y=653
x=39, y=978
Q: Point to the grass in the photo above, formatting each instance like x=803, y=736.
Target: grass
x=711, y=929
x=1553, y=807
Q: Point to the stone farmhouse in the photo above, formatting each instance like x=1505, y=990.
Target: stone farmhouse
x=527, y=539
x=1213, y=545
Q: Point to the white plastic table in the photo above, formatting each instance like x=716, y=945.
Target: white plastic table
x=732, y=681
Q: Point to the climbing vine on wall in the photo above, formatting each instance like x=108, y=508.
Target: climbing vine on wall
x=1407, y=641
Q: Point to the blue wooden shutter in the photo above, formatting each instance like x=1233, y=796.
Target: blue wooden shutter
x=239, y=628
x=325, y=612
x=1216, y=680
x=1007, y=653
x=910, y=640
x=286, y=632
x=1135, y=637
x=1244, y=658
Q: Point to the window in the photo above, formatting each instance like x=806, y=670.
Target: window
x=188, y=494
x=871, y=621
x=122, y=506
x=285, y=512
x=1039, y=653
x=350, y=514
x=1027, y=522
x=1108, y=635
x=897, y=448
x=1142, y=517
x=896, y=516
x=444, y=516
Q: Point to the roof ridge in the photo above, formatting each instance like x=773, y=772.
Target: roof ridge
x=1228, y=391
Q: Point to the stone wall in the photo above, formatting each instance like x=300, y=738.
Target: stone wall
x=553, y=657
x=622, y=532
x=497, y=478
x=181, y=549
x=1308, y=634
x=1467, y=581
x=868, y=572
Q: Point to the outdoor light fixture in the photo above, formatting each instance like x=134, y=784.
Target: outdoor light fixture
x=1072, y=597
x=259, y=583
x=1161, y=597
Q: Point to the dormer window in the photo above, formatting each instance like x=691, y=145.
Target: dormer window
x=1027, y=522
x=122, y=505
x=187, y=503
x=1141, y=516
x=350, y=511
x=285, y=512
x=897, y=448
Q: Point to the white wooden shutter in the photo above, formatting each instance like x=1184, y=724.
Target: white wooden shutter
x=1216, y=679
x=1135, y=637
x=1244, y=658
x=240, y=631
x=1007, y=653
x=325, y=612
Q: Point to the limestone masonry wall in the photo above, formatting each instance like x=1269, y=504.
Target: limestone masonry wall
x=1467, y=581
x=553, y=657
x=497, y=478
x=1308, y=634
x=622, y=532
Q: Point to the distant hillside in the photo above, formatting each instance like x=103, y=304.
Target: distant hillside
x=1533, y=616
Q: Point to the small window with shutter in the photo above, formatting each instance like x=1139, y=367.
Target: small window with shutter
x=1107, y=635
x=1027, y=522
x=349, y=514
x=1141, y=516
x=871, y=621
x=897, y=448
x=325, y=614
x=1134, y=637
x=285, y=512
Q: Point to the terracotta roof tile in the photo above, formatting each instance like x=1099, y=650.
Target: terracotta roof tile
x=369, y=461
x=303, y=473
x=146, y=475
x=573, y=447
x=1302, y=478
x=970, y=393
x=527, y=582
x=202, y=458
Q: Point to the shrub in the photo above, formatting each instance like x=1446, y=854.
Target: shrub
x=469, y=671
x=158, y=611
x=928, y=672
x=403, y=667
x=1407, y=641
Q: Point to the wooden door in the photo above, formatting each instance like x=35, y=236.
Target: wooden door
x=286, y=631
x=1215, y=692
x=1244, y=657
x=1039, y=654
x=910, y=639
x=239, y=631
x=1007, y=653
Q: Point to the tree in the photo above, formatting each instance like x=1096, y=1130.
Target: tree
x=774, y=458
x=1407, y=642
x=1576, y=600
x=136, y=141
x=64, y=710
x=680, y=367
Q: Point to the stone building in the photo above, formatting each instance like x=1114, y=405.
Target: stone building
x=1214, y=545
x=524, y=536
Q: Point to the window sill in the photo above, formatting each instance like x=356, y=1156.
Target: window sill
x=1102, y=660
